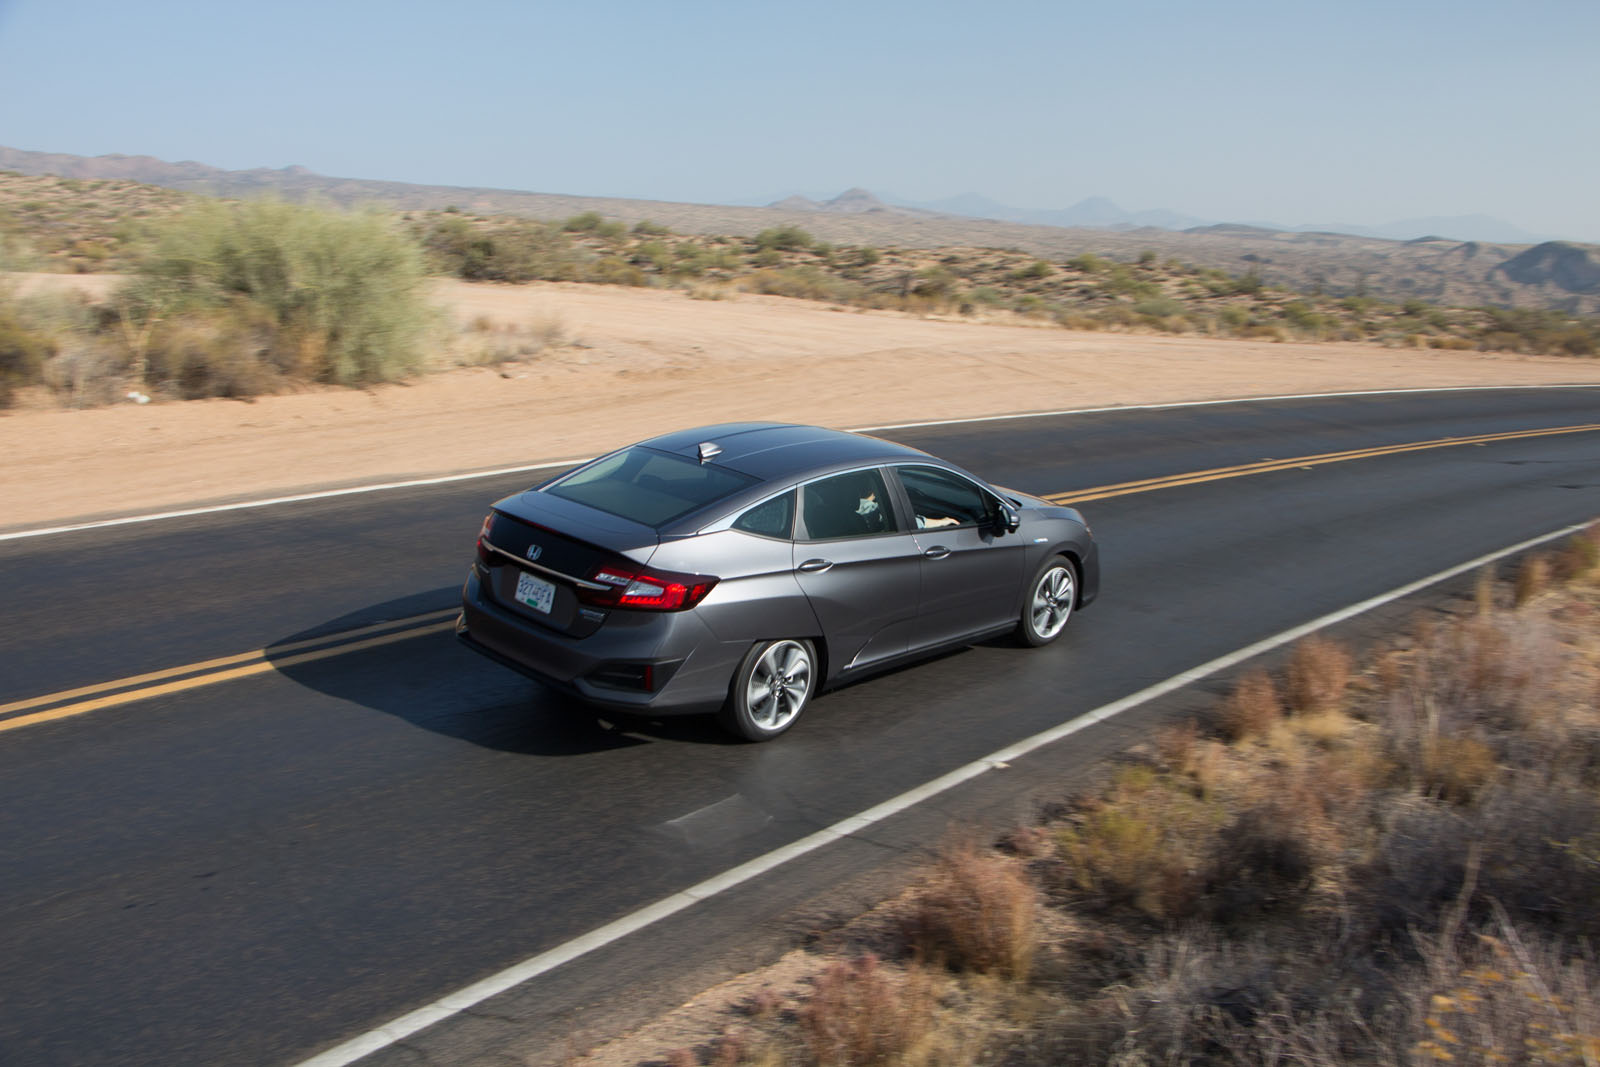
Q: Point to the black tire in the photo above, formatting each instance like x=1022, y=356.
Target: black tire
x=770, y=689
x=1047, y=608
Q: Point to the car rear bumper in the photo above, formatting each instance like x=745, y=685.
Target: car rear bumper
x=660, y=662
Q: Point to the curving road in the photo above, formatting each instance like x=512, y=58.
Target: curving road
x=250, y=861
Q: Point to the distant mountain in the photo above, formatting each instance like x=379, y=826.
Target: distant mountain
x=1565, y=266
x=1442, y=269
x=855, y=201
x=1101, y=213
x=1459, y=227
x=1095, y=212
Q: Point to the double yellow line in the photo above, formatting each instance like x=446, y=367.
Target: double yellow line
x=20, y=713
x=1266, y=466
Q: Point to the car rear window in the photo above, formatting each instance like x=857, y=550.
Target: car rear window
x=649, y=487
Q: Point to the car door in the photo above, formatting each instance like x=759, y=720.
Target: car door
x=859, y=566
x=971, y=568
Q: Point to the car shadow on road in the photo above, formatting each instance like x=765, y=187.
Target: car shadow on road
x=418, y=672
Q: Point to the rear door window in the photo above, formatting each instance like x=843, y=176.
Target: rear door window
x=649, y=487
x=846, y=505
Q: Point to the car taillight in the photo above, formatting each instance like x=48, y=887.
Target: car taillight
x=628, y=586
x=483, y=535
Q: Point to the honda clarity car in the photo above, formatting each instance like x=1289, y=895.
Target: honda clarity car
x=746, y=567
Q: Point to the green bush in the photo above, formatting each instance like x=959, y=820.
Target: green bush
x=516, y=252
x=1033, y=271
x=783, y=239
x=806, y=283
x=587, y=222
x=652, y=254
x=1247, y=284
x=316, y=294
x=22, y=355
x=646, y=228
x=1159, y=306
x=1121, y=282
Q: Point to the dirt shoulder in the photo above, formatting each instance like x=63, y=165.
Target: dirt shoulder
x=640, y=362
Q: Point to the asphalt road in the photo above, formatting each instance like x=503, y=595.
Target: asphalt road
x=254, y=870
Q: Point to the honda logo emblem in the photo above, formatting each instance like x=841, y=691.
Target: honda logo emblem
x=534, y=551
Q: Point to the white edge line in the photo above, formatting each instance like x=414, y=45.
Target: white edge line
x=414, y=483
x=463, y=999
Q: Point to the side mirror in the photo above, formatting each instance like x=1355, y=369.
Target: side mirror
x=1006, y=520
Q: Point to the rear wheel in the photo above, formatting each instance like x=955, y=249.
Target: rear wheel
x=1052, y=595
x=772, y=686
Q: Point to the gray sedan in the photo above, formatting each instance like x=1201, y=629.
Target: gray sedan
x=745, y=567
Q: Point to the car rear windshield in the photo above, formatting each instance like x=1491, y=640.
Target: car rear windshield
x=647, y=486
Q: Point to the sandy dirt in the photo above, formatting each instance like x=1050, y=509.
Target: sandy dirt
x=639, y=362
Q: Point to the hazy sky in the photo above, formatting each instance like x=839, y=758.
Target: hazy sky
x=1353, y=112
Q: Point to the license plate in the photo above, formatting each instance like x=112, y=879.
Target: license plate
x=535, y=593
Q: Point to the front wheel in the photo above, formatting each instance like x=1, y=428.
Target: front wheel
x=770, y=689
x=1052, y=595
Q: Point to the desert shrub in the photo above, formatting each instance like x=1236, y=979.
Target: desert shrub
x=646, y=228
x=1159, y=307
x=1302, y=316
x=1535, y=330
x=977, y=912
x=1088, y=263
x=23, y=352
x=1121, y=281
x=783, y=239
x=805, y=283
x=1578, y=556
x=861, y=1014
x=330, y=296
x=867, y=256
x=1253, y=707
x=221, y=352
x=652, y=254
x=936, y=284
x=1533, y=577
x=515, y=252
x=1117, y=315
x=1234, y=316
x=1262, y=865
x=1141, y=846
x=1317, y=674
x=585, y=222
x=1033, y=272
x=614, y=270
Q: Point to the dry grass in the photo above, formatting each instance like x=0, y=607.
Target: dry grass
x=1317, y=675
x=1401, y=873
x=977, y=912
x=862, y=1013
x=1141, y=846
x=1533, y=577
x=1253, y=707
x=1579, y=556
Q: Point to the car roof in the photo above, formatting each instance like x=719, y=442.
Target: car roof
x=776, y=450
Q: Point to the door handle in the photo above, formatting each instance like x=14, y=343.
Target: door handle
x=815, y=566
x=936, y=552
